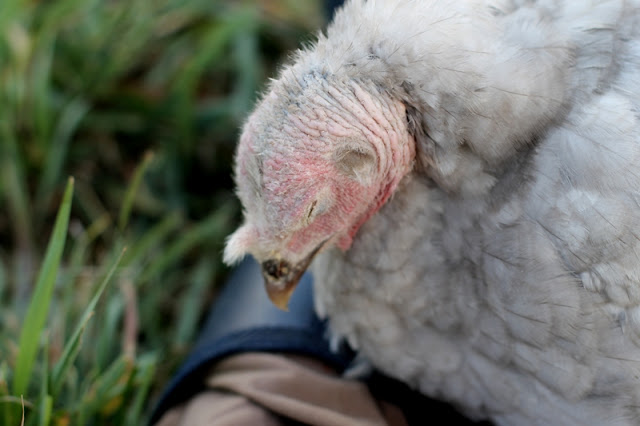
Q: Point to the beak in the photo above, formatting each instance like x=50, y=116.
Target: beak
x=281, y=278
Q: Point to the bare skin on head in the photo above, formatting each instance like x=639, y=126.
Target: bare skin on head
x=317, y=158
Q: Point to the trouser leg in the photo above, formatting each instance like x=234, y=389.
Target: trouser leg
x=273, y=389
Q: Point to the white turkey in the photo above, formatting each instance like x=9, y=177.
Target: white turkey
x=465, y=176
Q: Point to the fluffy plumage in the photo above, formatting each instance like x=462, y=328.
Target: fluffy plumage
x=469, y=173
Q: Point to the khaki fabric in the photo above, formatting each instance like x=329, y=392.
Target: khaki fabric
x=271, y=389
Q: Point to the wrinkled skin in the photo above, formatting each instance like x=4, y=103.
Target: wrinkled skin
x=323, y=159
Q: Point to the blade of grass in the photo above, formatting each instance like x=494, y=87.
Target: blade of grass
x=145, y=372
x=46, y=404
x=13, y=176
x=82, y=405
x=40, y=301
x=152, y=238
x=3, y=280
x=88, y=201
x=8, y=9
x=216, y=38
x=245, y=55
x=19, y=43
x=111, y=383
x=46, y=401
x=67, y=123
x=109, y=332
x=4, y=393
x=81, y=246
x=212, y=227
x=191, y=303
x=41, y=102
x=129, y=196
x=72, y=347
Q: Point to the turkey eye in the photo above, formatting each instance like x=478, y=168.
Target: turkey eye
x=311, y=210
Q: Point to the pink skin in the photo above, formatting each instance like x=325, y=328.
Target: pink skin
x=300, y=165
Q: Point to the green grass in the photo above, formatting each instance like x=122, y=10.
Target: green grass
x=118, y=121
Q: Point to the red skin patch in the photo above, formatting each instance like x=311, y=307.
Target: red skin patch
x=350, y=198
x=299, y=166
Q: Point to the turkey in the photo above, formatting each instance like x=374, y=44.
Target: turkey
x=465, y=176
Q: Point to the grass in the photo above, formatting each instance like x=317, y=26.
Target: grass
x=118, y=122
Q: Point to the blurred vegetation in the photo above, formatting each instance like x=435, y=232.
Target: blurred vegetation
x=104, y=277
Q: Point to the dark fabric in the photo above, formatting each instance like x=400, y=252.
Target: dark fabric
x=280, y=390
x=243, y=319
